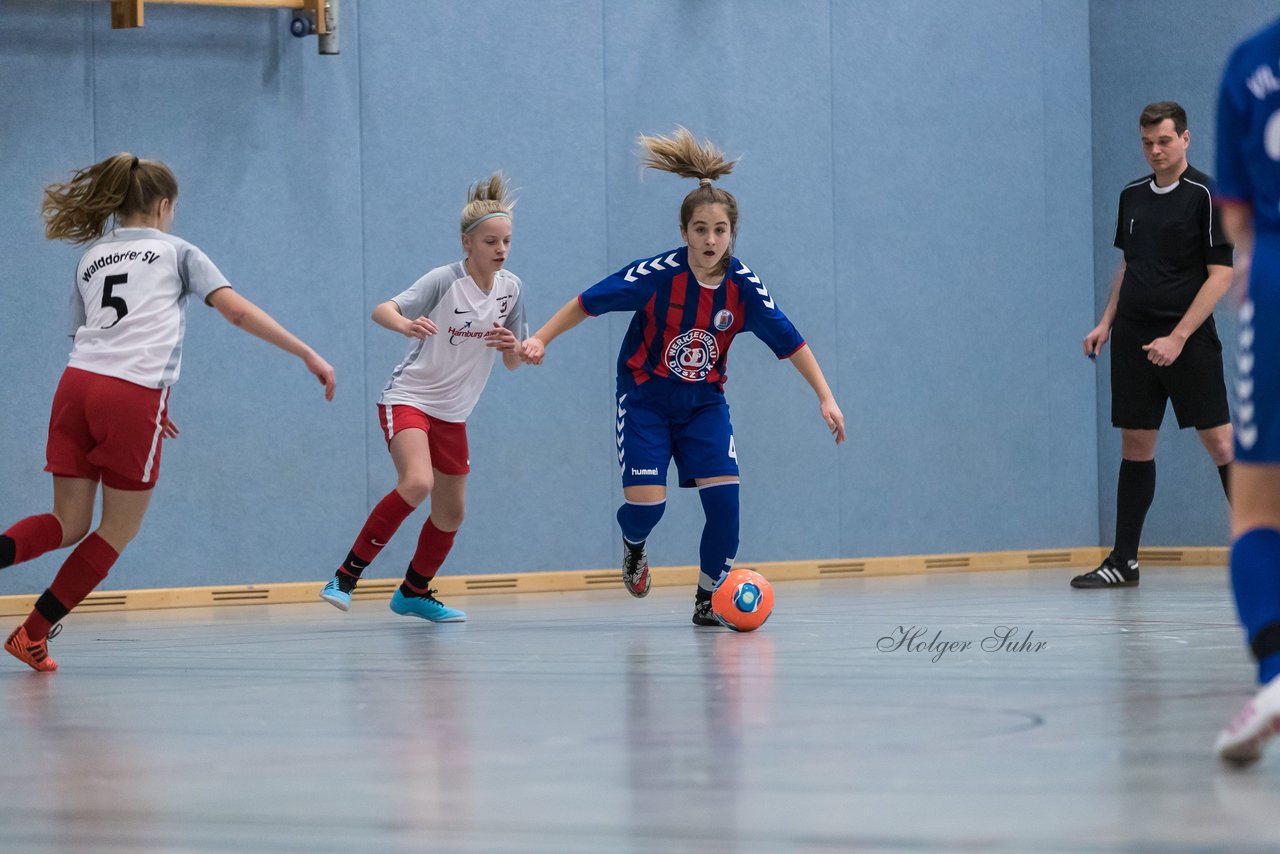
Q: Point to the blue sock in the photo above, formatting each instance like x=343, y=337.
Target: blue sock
x=637, y=520
x=719, y=545
x=1255, y=580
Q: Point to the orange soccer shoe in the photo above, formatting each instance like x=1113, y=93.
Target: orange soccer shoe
x=34, y=654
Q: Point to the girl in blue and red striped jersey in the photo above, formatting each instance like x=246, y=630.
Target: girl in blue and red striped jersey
x=689, y=303
x=111, y=409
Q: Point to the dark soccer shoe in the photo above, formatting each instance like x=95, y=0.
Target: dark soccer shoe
x=1108, y=575
x=703, y=615
x=635, y=569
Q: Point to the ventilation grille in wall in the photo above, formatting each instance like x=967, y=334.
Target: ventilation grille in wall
x=493, y=582
x=957, y=562
x=602, y=579
x=848, y=567
x=258, y=594
x=1161, y=557
x=374, y=590
x=1049, y=559
x=110, y=601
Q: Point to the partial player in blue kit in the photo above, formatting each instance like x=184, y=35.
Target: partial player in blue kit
x=689, y=304
x=1249, y=187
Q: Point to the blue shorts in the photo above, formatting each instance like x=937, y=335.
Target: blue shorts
x=662, y=419
x=1257, y=385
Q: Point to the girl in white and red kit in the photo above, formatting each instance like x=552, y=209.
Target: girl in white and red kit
x=111, y=409
x=457, y=318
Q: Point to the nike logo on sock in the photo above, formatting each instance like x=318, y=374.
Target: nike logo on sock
x=376, y=543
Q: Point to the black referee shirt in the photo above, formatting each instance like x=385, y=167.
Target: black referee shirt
x=1169, y=236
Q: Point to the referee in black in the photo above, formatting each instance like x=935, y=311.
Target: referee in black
x=1165, y=346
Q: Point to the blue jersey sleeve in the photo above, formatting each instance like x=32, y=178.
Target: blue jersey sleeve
x=764, y=319
x=1233, y=181
x=629, y=289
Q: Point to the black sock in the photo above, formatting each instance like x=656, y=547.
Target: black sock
x=50, y=608
x=1224, y=474
x=349, y=573
x=1134, y=491
x=8, y=551
x=415, y=583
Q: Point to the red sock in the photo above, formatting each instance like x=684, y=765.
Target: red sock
x=34, y=536
x=84, y=569
x=381, y=526
x=433, y=548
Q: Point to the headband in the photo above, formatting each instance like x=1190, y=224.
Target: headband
x=473, y=225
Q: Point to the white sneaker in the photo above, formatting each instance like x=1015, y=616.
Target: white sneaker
x=1242, y=740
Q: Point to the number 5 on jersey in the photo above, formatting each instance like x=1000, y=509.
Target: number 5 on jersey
x=118, y=303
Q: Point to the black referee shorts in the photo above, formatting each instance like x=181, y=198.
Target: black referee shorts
x=1194, y=382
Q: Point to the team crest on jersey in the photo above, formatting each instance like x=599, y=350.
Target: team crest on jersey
x=723, y=319
x=691, y=355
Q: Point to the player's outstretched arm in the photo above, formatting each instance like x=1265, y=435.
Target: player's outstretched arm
x=535, y=346
x=243, y=314
x=807, y=364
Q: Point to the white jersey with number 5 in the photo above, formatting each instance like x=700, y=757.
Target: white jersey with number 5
x=128, y=308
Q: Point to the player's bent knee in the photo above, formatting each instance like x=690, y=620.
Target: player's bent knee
x=73, y=532
x=447, y=520
x=118, y=536
x=416, y=488
x=75, y=527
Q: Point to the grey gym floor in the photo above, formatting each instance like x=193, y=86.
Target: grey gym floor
x=594, y=722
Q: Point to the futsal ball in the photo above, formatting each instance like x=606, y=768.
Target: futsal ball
x=743, y=601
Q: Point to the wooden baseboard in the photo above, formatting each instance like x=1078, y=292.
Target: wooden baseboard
x=610, y=579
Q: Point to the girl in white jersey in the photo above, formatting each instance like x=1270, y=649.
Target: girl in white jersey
x=110, y=411
x=456, y=317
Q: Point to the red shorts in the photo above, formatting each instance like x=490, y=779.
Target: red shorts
x=447, y=440
x=108, y=429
